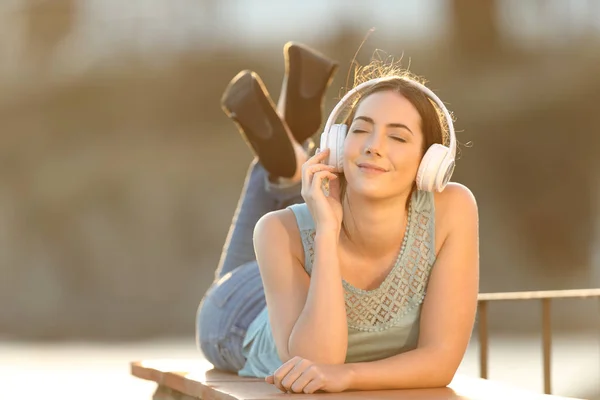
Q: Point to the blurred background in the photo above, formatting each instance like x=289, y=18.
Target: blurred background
x=120, y=173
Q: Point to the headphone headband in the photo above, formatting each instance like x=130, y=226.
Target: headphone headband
x=339, y=106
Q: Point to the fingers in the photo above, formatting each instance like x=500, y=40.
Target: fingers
x=309, y=171
x=305, y=379
x=294, y=374
x=334, y=187
x=297, y=375
x=313, y=386
x=319, y=177
x=282, y=372
x=319, y=156
x=318, y=159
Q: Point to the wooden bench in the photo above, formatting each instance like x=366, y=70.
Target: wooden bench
x=188, y=380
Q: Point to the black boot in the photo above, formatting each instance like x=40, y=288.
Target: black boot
x=308, y=74
x=247, y=102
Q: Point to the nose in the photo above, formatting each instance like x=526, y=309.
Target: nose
x=375, y=143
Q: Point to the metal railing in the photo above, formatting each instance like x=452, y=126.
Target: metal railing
x=545, y=297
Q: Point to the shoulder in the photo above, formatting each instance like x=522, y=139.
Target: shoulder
x=280, y=222
x=456, y=207
x=278, y=230
x=458, y=197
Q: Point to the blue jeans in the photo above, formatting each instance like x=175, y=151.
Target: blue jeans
x=237, y=296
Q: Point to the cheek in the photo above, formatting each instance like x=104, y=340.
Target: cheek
x=408, y=161
x=351, y=147
x=408, y=153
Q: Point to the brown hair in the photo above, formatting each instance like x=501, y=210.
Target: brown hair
x=433, y=123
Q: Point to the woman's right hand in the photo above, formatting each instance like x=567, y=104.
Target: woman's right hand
x=325, y=210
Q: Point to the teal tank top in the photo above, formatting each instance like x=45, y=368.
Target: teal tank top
x=381, y=322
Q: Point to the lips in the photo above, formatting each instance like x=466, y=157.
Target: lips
x=371, y=167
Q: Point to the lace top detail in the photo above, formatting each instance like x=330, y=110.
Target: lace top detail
x=382, y=322
x=404, y=287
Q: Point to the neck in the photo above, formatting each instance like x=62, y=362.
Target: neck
x=374, y=227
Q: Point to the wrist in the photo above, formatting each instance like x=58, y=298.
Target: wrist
x=327, y=237
x=350, y=376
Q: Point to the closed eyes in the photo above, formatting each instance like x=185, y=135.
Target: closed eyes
x=395, y=138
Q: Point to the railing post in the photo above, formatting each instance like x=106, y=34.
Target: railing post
x=546, y=343
x=546, y=298
x=483, y=339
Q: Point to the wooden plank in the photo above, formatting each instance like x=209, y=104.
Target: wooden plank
x=203, y=382
x=542, y=294
x=200, y=370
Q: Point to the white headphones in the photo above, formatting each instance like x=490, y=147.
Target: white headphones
x=437, y=164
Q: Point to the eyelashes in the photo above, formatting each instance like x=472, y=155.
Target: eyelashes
x=395, y=138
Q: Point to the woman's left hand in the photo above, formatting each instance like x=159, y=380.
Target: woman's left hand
x=299, y=375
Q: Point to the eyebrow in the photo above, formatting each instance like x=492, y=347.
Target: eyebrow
x=392, y=125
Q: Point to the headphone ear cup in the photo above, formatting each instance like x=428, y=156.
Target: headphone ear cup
x=324, y=141
x=445, y=173
x=433, y=169
x=335, y=143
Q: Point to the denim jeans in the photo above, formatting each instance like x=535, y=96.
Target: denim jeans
x=237, y=296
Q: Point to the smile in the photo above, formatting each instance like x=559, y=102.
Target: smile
x=371, y=168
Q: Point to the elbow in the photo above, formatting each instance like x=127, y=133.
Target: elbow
x=445, y=378
x=436, y=379
x=445, y=373
x=444, y=370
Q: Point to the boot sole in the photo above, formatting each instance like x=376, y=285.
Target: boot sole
x=247, y=102
x=308, y=75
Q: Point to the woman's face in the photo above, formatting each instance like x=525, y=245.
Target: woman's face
x=383, y=147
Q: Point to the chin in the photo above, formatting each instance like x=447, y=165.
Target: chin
x=369, y=189
x=377, y=188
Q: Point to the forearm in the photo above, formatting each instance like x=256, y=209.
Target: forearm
x=419, y=368
x=321, y=331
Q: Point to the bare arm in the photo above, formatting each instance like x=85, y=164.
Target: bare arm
x=321, y=332
x=448, y=312
x=307, y=315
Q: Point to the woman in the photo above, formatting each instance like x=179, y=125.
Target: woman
x=369, y=282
